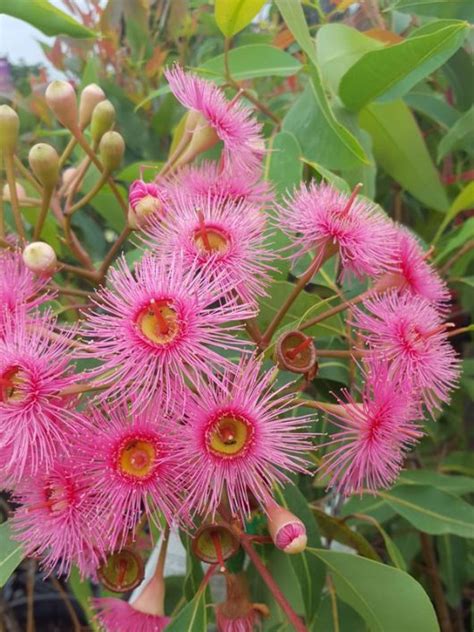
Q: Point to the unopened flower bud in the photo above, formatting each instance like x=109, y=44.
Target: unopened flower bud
x=39, y=257
x=68, y=175
x=61, y=98
x=294, y=351
x=9, y=128
x=103, y=119
x=90, y=97
x=44, y=162
x=20, y=192
x=111, y=149
x=286, y=530
x=144, y=202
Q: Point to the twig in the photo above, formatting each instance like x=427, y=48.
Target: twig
x=30, y=596
x=469, y=245
x=67, y=602
x=436, y=586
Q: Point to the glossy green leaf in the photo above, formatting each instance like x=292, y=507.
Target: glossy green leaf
x=252, y=61
x=11, y=553
x=333, y=145
x=194, y=572
x=45, y=17
x=453, y=484
x=284, y=167
x=464, y=200
x=460, y=9
x=431, y=510
x=388, y=599
x=309, y=572
x=391, y=71
x=460, y=136
x=392, y=549
x=192, y=618
x=347, y=619
x=234, y=15
x=401, y=150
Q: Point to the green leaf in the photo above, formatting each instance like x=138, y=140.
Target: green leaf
x=284, y=167
x=453, y=552
x=400, y=149
x=329, y=176
x=369, y=505
x=82, y=591
x=334, y=145
x=431, y=510
x=388, y=599
x=391, y=71
x=460, y=136
x=252, y=61
x=460, y=9
x=459, y=462
x=456, y=70
x=44, y=16
x=194, y=572
x=192, y=618
x=456, y=239
x=433, y=106
x=11, y=553
x=310, y=572
x=338, y=48
x=234, y=15
x=347, y=619
x=453, y=484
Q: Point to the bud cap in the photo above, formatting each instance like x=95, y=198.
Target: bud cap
x=61, y=98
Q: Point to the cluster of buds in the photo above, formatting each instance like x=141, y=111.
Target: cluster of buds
x=178, y=423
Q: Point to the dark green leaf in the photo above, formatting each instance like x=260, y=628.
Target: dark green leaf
x=460, y=9
x=433, y=106
x=11, y=553
x=452, y=484
x=192, y=618
x=194, y=572
x=453, y=552
x=82, y=591
x=460, y=136
x=347, y=619
x=44, y=16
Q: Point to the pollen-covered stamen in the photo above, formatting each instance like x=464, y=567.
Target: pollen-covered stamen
x=136, y=458
x=352, y=198
x=158, y=322
x=10, y=381
x=304, y=344
x=229, y=435
x=209, y=238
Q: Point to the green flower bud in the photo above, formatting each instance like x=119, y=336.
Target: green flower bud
x=111, y=149
x=103, y=119
x=61, y=98
x=44, y=163
x=9, y=128
x=91, y=96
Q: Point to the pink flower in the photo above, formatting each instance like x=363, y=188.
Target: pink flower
x=155, y=328
x=209, y=179
x=116, y=615
x=408, y=332
x=373, y=435
x=51, y=521
x=37, y=419
x=411, y=272
x=227, y=237
x=146, y=200
x=240, y=435
x=318, y=216
x=232, y=122
x=128, y=464
x=20, y=289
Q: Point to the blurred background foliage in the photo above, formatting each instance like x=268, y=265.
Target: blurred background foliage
x=375, y=92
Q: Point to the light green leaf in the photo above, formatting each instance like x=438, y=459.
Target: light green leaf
x=433, y=106
x=388, y=599
x=460, y=9
x=369, y=505
x=400, y=149
x=391, y=71
x=431, y=510
x=329, y=176
x=460, y=136
x=284, y=167
x=335, y=147
x=192, y=618
x=252, y=61
x=310, y=572
x=11, y=553
x=45, y=17
x=453, y=484
x=464, y=200
x=234, y=15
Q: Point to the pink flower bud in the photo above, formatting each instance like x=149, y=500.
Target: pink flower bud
x=68, y=176
x=61, y=98
x=111, y=149
x=90, y=97
x=286, y=530
x=40, y=258
x=44, y=162
x=9, y=128
x=20, y=192
x=103, y=119
x=145, y=201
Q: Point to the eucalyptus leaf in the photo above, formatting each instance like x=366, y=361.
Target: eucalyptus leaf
x=234, y=15
x=45, y=17
x=11, y=553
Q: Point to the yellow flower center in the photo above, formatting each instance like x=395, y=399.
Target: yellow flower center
x=210, y=239
x=159, y=322
x=229, y=435
x=137, y=458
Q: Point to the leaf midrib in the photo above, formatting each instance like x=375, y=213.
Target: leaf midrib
x=428, y=512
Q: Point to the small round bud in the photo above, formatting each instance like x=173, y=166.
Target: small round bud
x=111, y=149
x=144, y=202
x=90, y=97
x=20, y=192
x=39, y=257
x=103, y=119
x=61, y=98
x=9, y=128
x=44, y=162
x=68, y=175
x=294, y=351
x=286, y=530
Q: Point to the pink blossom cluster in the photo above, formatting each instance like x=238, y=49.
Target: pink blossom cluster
x=175, y=416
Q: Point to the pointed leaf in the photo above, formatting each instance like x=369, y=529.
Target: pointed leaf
x=192, y=618
x=234, y=15
x=11, y=553
x=45, y=17
x=460, y=9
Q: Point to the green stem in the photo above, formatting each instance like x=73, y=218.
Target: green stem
x=67, y=152
x=9, y=167
x=89, y=195
x=335, y=310
x=45, y=201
